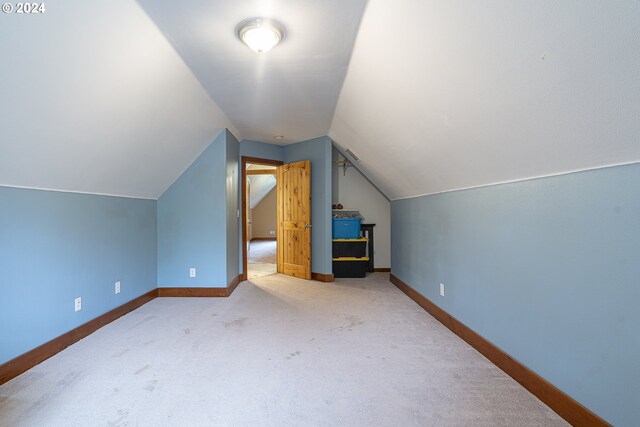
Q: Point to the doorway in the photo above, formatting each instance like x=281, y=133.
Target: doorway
x=292, y=183
x=259, y=226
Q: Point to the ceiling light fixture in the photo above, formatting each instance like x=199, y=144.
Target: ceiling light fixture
x=260, y=34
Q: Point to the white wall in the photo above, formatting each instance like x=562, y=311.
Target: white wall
x=264, y=216
x=356, y=192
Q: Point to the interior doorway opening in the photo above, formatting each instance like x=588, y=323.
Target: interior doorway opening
x=259, y=217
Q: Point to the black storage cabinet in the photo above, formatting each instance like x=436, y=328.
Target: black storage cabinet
x=350, y=267
x=356, y=248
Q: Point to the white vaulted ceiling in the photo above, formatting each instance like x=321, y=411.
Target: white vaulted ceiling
x=119, y=97
x=94, y=99
x=291, y=90
x=261, y=185
x=443, y=95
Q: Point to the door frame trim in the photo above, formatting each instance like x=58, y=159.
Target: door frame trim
x=243, y=166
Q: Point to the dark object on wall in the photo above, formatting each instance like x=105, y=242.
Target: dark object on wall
x=339, y=206
x=334, y=206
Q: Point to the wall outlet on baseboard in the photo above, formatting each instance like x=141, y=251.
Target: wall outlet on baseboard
x=441, y=289
x=117, y=287
x=272, y=232
x=192, y=272
x=78, y=305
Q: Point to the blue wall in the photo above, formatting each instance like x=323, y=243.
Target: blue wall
x=546, y=269
x=262, y=150
x=57, y=246
x=232, y=192
x=317, y=150
x=192, y=222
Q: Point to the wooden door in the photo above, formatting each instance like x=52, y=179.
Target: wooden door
x=294, y=219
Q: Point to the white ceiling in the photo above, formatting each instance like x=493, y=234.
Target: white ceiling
x=94, y=99
x=438, y=95
x=291, y=90
x=443, y=95
x=261, y=185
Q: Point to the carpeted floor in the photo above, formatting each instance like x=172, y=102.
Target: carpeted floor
x=279, y=352
x=261, y=259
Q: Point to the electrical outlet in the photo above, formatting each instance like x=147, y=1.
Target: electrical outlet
x=192, y=272
x=272, y=232
x=117, y=287
x=441, y=289
x=78, y=304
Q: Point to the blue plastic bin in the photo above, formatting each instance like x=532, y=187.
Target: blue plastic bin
x=346, y=228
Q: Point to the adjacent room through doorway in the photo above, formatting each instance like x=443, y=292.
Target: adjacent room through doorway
x=260, y=220
x=283, y=216
x=262, y=259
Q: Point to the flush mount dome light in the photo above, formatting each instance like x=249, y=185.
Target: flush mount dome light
x=260, y=34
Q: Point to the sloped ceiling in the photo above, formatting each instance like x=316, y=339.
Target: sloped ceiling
x=261, y=185
x=108, y=97
x=443, y=95
x=93, y=98
x=291, y=90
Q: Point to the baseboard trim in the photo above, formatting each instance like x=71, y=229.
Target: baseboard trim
x=28, y=360
x=234, y=284
x=320, y=277
x=263, y=239
x=572, y=411
x=382, y=270
x=200, y=292
x=191, y=292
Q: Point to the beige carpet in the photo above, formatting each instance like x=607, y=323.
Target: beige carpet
x=279, y=352
x=261, y=259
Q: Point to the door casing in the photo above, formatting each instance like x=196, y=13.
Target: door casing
x=243, y=166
